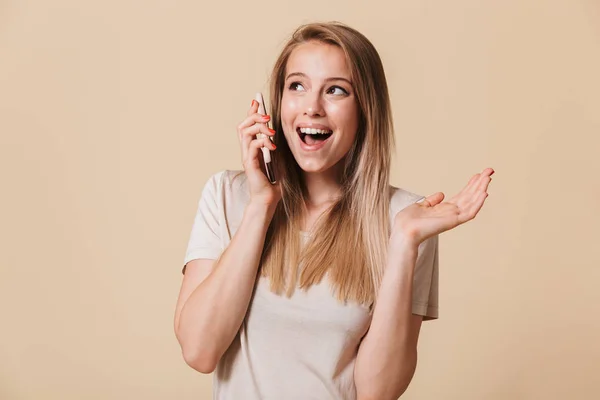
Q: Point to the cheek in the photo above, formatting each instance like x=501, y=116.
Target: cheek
x=344, y=116
x=289, y=106
x=289, y=110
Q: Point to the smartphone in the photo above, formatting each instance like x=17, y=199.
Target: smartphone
x=265, y=151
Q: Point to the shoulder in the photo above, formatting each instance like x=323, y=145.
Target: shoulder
x=225, y=182
x=401, y=198
x=228, y=189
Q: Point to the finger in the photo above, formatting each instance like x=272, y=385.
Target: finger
x=472, y=181
x=467, y=198
x=256, y=129
x=483, y=184
x=253, y=158
x=478, y=204
x=248, y=128
x=252, y=119
x=458, y=198
x=247, y=135
x=471, y=198
x=484, y=180
x=473, y=188
x=432, y=200
x=472, y=211
x=253, y=150
x=253, y=107
x=478, y=178
x=255, y=118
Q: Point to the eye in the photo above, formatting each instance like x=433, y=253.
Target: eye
x=343, y=91
x=294, y=85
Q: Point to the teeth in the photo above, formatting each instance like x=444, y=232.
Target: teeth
x=310, y=131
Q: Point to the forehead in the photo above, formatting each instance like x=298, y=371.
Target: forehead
x=318, y=60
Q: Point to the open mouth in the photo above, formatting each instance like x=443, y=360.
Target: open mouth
x=313, y=136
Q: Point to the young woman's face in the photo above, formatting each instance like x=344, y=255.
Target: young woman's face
x=318, y=94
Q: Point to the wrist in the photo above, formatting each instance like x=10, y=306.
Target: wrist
x=403, y=250
x=257, y=209
x=403, y=242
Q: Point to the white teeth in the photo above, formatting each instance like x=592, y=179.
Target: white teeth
x=311, y=131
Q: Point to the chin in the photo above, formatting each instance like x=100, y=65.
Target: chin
x=312, y=168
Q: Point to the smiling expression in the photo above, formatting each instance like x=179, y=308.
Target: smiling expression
x=318, y=94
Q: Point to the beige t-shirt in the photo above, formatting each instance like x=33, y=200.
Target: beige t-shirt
x=303, y=347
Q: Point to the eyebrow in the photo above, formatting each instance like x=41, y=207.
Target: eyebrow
x=303, y=75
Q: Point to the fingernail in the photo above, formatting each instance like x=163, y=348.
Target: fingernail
x=252, y=104
x=492, y=173
x=266, y=117
x=272, y=130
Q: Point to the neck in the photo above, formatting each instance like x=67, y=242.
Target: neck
x=322, y=187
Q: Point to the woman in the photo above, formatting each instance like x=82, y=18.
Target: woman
x=315, y=287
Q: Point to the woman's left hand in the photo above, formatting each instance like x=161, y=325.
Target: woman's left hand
x=420, y=221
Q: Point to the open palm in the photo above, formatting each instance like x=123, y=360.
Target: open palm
x=432, y=216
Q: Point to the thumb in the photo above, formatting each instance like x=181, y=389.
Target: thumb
x=433, y=199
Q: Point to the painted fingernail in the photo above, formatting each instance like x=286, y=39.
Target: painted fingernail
x=252, y=104
x=266, y=117
x=272, y=131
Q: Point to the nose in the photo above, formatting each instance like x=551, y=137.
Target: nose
x=313, y=105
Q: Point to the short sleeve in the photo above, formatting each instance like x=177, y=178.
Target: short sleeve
x=205, y=240
x=426, y=278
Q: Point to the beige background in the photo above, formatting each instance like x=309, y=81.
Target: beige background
x=113, y=114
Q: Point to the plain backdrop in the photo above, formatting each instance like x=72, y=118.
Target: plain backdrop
x=113, y=114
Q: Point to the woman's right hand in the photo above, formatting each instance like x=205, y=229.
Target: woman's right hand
x=261, y=190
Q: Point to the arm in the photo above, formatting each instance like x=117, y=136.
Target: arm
x=387, y=356
x=207, y=321
x=214, y=298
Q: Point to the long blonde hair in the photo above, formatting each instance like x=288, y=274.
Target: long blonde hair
x=349, y=242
